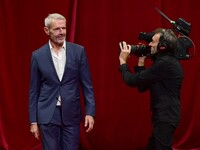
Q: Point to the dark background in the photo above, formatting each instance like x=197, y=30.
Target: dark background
x=123, y=114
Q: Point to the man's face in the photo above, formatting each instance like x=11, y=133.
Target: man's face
x=57, y=32
x=154, y=43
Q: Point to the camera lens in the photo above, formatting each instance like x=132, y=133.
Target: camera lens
x=140, y=50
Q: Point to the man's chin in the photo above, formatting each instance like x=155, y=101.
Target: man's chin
x=61, y=42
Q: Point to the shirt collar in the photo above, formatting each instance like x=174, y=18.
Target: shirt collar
x=63, y=47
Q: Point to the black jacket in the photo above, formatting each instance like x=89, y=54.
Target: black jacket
x=163, y=79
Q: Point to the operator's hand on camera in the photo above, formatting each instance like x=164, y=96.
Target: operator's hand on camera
x=125, y=52
x=141, y=60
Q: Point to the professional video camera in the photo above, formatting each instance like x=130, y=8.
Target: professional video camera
x=184, y=42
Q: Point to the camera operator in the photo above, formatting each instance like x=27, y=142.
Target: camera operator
x=163, y=78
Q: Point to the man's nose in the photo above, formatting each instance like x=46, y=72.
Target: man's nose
x=60, y=30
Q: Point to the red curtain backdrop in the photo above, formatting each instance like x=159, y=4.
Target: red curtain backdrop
x=123, y=115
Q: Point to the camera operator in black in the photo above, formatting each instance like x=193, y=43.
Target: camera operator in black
x=163, y=78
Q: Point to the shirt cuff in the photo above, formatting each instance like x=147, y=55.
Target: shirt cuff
x=123, y=67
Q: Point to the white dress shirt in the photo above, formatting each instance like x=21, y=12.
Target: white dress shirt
x=59, y=60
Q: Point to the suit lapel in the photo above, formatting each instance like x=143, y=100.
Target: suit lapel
x=48, y=53
x=68, y=57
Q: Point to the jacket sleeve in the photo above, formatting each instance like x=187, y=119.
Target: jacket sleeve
x=34, y=89
x=86, y=85
x=142, y=77
x=144, y=87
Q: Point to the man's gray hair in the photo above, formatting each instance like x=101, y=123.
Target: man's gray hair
x=168, y=36
x=54, y=16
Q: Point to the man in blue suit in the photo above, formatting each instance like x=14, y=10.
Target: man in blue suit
x=59, y=70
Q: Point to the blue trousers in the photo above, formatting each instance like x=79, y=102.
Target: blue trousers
x=58, y=136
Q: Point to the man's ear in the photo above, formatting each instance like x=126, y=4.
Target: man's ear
x=46, y=30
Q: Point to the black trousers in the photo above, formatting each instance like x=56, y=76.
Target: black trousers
x=161, y=137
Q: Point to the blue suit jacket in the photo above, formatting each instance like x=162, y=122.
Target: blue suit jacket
x=45, y=86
